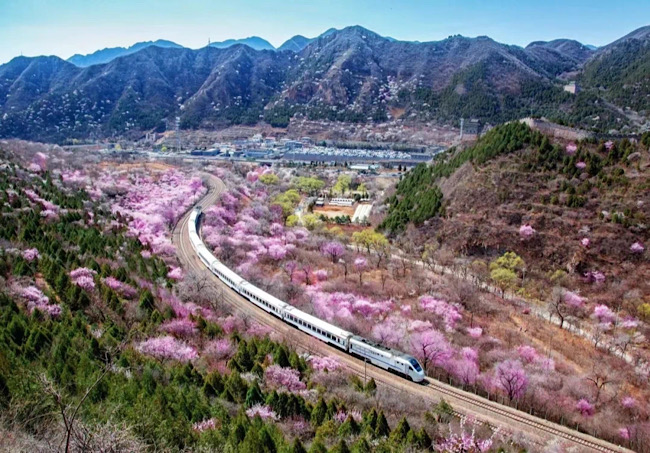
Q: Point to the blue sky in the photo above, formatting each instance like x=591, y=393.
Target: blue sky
x=65, y=27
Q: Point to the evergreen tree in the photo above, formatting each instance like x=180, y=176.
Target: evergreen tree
x=349, y=427
x=280, y=357
x=401, y=431
x=370, y=420
x=317, y=446
x=254, y=395
x=361, y=446
x=341, y=447
x=297, y=447
x=382, y=429
x=147, y=302
x=319, y=412
x=268, y=444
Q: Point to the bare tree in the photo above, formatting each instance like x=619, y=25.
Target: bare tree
x=69, y=410
x=599, y=378
x=556, y=305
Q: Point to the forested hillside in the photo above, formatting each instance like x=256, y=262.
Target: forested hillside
x=106, y=345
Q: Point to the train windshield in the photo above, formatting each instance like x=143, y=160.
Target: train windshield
x=415, y=364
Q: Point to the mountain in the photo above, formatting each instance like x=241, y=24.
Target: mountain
x=620, y=71
x=567, y=47
x=352, y=75
x=254, y=42
x=295, y=44
x=106, y=55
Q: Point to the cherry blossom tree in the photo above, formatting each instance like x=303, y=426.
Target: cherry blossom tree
x=176, y=273
x=637, y=248
x=446, y=311
x=83, y=278
x=167, y=348
x=571, y=149
x=604, y=314
x=324, y=363
x=475, y=332
x=182, y=328
x=585, y=408
x=431, y=348
x=511, y=378
x=30, y=254
x=585, y=242
x=526, y=232
x=333, y=249
x=581, y=165
x=262, y=411
x=360, y=264
x=278, y=377
x=206, y=425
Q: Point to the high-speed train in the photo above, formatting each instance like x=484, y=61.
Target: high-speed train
x=386, y=358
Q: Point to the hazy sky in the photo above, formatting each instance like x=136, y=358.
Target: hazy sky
x=66, y=27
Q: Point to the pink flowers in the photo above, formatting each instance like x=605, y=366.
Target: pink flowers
x=581, y=165
x=628, y=402
x=175, y=274
x=123, y=289
x=287, y=378
x=449, y=313
x=474, y=332
x=333, y=249
x=526, y=232
x=594, y=277
x=624, y=433
x=342, y=416
x=527, y=353
x=167, y=348
x=360, y=263
x=603, y=314
x=585, y=242
x=609, y=145
x=262, y=411
x=205, y=425
x=321, y=275
x=511, y=378
x=30, y=254
x=83, y=278
x=153, y=204
x=36, y=300
x=221, y=349
x=343, y=306
x=431, y=347
x=324, y=363
x=637, y=247
x=277, y=252
x=571, y=149
x=180, y=328
x=585, y=408
x=573, y=299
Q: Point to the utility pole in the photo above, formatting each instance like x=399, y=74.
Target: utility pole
x=462, y=122
x=365, y=370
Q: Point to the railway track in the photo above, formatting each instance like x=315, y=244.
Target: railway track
x=505, y=418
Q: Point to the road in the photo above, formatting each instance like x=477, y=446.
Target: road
x=509, y=420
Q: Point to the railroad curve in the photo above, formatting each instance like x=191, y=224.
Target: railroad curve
x=505, y=418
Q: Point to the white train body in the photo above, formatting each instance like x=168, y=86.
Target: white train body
x=388, y=359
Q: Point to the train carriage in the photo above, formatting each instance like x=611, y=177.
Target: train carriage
x=262, y=299
x=317, y=327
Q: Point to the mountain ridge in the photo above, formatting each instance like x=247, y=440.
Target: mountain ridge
x=352, y=74
x=110, y=53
